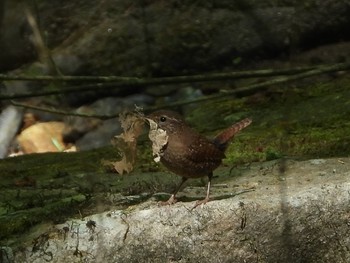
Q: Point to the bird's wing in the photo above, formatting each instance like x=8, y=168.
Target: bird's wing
x=203, y=150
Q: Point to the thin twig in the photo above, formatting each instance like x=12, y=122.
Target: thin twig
x=222, y=95
x=256, y=87
x=42, y=49
x=62, y=112
x=166, y=80
x=124, y=82
x=66, y=78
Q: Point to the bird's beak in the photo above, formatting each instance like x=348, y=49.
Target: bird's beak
x=148, y=120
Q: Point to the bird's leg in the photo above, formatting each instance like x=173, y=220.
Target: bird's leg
x=206, y=199
x=172, y=199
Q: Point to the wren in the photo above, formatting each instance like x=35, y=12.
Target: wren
x=189, y=154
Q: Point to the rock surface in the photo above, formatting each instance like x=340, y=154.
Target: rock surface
x=297, y=212
x=156, y=37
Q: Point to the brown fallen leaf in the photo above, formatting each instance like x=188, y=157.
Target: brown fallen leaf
x=132, y=124
x=42, y=137
x=124, y=165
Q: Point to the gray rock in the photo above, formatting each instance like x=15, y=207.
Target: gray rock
x=153, y=38
x=10, y=121
x=304, y=218
x=91, y=133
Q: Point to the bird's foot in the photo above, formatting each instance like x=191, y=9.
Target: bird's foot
x=201, y=202
x=172, y=200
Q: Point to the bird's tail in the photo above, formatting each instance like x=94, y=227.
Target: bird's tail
x=222, y=139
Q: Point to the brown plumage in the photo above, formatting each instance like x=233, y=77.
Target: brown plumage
x=188, y=153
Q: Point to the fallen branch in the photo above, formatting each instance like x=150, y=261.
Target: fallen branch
x=62, y=112
x=256, y=87
x=124, y=82
x=176, y=79
x=248, y=89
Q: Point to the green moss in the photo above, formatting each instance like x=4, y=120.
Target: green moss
x=304, y=122
x=21, y=220
x=55, y=164
x=215, y=115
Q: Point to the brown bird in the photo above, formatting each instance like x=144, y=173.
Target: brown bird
x=188, y=153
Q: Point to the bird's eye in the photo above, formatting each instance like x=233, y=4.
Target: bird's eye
x=162, y=119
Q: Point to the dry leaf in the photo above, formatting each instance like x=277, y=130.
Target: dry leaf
x=42, y=137
x=123, y=166
x=159, y=139
x=132, y=124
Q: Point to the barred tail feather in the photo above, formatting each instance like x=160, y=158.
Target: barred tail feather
x=225, y=136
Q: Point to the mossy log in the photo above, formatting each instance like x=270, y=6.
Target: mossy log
x=50, y=187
